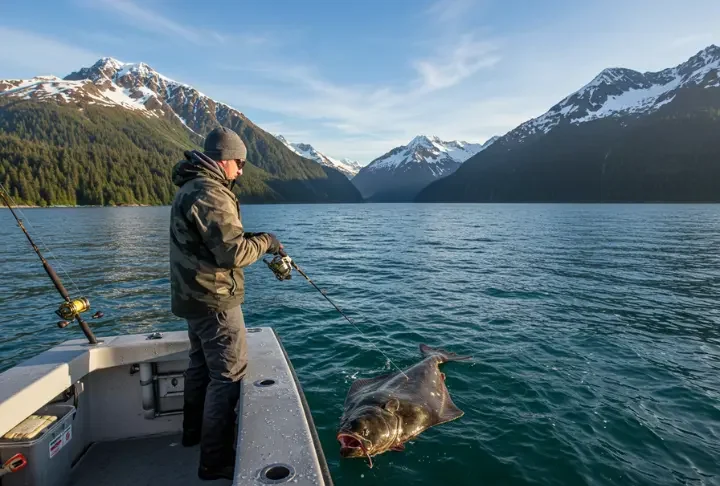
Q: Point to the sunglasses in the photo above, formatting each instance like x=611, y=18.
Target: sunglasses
x=240, y=163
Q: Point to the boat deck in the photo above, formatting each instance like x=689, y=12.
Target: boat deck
x=119, y=408
x=140, y=462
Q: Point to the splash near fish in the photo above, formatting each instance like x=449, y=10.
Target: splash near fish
x=384, y=412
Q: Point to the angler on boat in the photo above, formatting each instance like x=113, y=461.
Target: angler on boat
x=118, y=410
x=208, y=251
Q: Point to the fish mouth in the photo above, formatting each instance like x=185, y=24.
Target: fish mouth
x=352, y=445
x=350, y=441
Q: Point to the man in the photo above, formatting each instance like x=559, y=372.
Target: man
x=208, y=250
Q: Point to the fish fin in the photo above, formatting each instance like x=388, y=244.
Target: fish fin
x=449, y=412
x=398, y=447
x=444, y=356
x=362, y=383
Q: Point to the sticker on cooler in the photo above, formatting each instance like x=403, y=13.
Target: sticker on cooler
x=60, y=441
x=55, y=445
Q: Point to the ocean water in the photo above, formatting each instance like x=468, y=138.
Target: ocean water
x=594, y=329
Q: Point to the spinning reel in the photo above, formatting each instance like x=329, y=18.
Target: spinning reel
x=281, y=265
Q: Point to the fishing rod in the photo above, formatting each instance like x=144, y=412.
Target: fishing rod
x=71, y=308
x=282, y=266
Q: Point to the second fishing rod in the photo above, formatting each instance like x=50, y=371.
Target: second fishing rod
x=71, y=308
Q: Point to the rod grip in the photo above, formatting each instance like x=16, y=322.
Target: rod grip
x=56, y=280
x=86, y=330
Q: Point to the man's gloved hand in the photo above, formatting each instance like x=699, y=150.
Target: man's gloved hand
x=275, y=245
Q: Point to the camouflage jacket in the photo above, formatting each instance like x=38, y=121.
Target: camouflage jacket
x=208, y=247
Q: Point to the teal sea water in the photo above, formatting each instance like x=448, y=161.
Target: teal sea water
x=595, y=330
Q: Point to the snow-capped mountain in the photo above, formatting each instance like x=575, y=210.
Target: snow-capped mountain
x=624, y=136
x=135, y=86
x=440, y=156
x=402, y=172
x=156, y=92
x=174, y=105
x=346, y=166
x=619, y=92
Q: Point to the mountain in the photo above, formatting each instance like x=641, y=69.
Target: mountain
x=626, y=136
x=346, y=166
x=401, y=173
x=155, y=110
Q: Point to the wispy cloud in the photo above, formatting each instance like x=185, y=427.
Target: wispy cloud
x=149, y=20
x=143, y=18
x=463, y=60
x=364, y=121
x=33, y=54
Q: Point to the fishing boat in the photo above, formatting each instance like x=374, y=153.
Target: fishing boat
x=108, y=411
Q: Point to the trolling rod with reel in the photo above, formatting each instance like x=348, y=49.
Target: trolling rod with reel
x=71, y=308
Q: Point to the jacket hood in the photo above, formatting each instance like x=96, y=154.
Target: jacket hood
x=196, y=164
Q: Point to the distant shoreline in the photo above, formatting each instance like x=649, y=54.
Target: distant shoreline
x=606, y=203
x=60, y=206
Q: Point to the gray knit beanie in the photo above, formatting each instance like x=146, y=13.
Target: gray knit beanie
x=224, y=144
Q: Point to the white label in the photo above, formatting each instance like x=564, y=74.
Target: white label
x=60, y=441
x=55, y=445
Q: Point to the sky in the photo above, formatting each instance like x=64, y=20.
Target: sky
x=358, y=78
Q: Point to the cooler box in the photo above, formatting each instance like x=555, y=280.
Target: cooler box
x=47, y=451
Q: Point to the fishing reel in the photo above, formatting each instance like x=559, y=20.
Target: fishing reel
x=281, y=265
x=70, y=310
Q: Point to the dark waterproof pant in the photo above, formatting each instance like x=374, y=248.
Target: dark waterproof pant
x=218, y=361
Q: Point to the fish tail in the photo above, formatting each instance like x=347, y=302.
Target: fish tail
x=444, y=356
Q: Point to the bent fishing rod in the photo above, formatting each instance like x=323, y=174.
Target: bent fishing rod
x=71, y=308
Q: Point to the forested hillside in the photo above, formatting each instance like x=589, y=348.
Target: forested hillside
x=52, y=154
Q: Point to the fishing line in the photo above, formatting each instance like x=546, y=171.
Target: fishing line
x=55, y=259
x=282, y=266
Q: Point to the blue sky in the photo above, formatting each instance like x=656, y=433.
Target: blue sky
x=357, y=78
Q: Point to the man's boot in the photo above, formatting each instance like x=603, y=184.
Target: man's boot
x=207, y=473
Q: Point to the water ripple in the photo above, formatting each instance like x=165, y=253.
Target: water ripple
x=595, y=330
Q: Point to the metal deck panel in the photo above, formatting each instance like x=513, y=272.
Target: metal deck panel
x=151, y=461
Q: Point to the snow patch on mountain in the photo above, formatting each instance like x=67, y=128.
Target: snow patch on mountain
x=346, y=166
x=42, y=88
x=633, y=100
x=428, y=150
x=622, y=92
x=159, y=93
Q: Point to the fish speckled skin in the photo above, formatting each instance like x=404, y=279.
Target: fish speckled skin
x=384, y=412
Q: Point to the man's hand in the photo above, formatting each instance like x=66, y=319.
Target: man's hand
x=275, y=245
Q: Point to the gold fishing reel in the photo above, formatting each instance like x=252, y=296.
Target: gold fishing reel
x=70, y=310
x=281, y=266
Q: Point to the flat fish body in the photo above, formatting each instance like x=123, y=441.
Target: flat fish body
x=422, y=398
